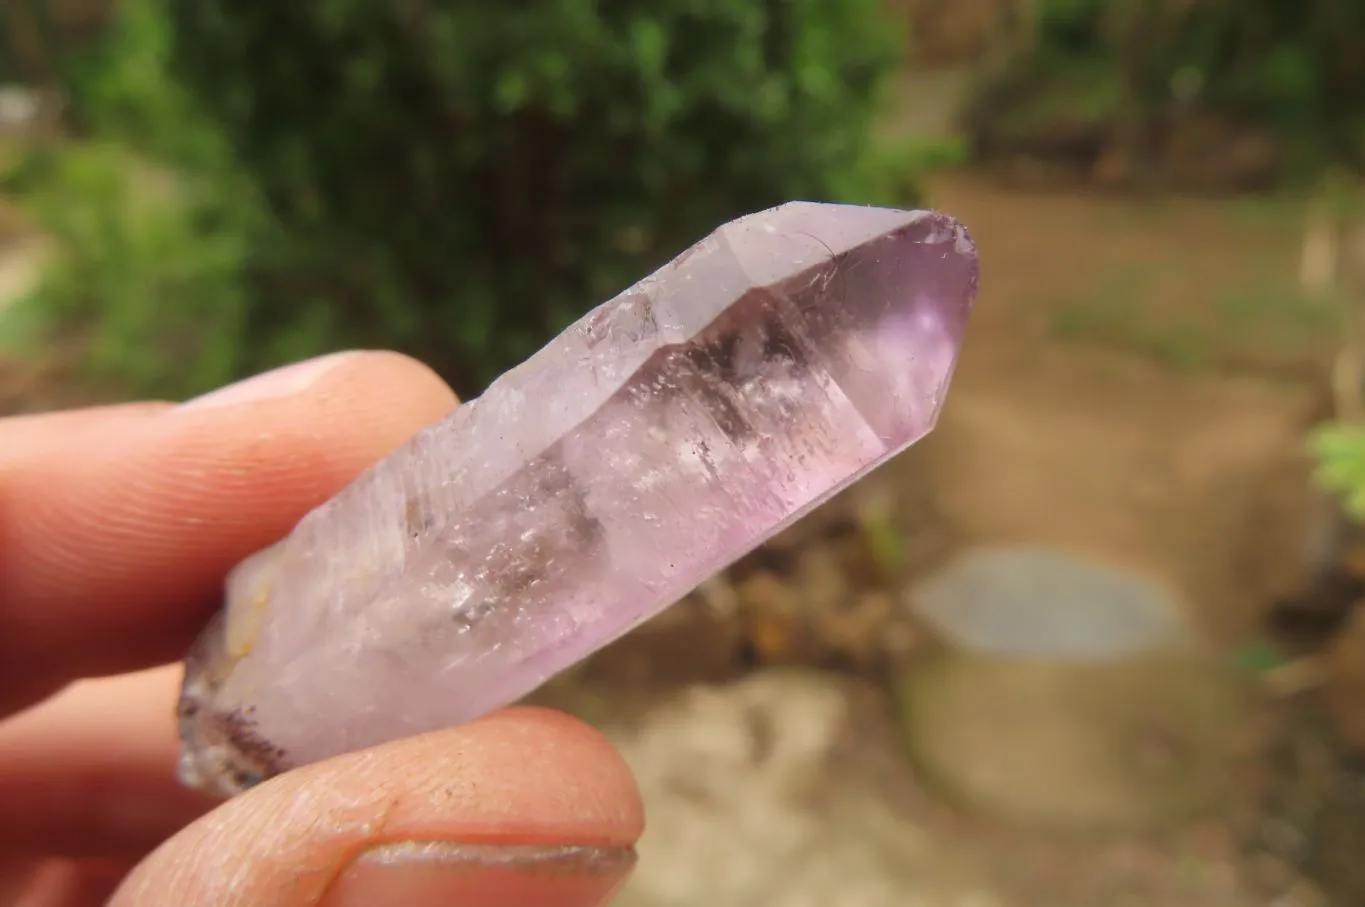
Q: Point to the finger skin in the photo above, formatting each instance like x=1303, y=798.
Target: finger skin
x=118, y=524
x=90, y=773
x=524, y=776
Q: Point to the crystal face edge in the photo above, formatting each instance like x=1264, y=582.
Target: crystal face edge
x=225, y=754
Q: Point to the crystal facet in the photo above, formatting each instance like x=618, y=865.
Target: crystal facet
x=665, y=434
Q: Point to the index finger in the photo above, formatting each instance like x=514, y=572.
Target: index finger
x=118, y=524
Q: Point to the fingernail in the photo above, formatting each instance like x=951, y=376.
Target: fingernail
x=281, y=382
x=443, y=874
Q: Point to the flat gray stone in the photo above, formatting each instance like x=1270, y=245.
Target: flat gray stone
x=1037, y=602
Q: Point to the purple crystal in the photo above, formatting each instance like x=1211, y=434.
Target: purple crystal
x=665, y=434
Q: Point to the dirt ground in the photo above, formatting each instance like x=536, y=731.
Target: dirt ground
x=1137, y=383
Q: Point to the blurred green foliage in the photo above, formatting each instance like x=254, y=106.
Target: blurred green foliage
x=1340, y=453
x=149, y=278
x=1083, y=68
x=154, y=223
x=454, y=179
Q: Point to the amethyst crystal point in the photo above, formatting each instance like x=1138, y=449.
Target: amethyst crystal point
x=662, y=436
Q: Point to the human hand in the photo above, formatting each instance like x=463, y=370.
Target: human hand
x=117, y=525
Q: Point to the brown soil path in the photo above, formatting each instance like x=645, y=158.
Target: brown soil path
x=1136, y=384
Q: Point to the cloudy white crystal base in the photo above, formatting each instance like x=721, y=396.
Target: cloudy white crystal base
x=665, y=434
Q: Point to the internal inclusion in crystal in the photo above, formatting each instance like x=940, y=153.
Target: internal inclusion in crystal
x=666, y=434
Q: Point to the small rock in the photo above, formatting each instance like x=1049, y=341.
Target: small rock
x=818, y=617
x=718, y=597
x=1032, y=601
x=862, y=632
x=772, y=617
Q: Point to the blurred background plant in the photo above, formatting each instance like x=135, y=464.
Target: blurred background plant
x=451, y=179
x=1155, y=89
x=1340, y=449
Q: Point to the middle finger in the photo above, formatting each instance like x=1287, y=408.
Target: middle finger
x=90, y=773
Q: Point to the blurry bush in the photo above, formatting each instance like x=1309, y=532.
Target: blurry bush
x=1339, y=449
x=450, y=178
x=1192, y=91
x=154, y=224
x=148, y=286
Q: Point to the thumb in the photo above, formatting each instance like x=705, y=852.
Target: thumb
x=526, y=808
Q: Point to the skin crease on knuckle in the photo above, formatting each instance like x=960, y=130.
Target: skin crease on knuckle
x=525, y=776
